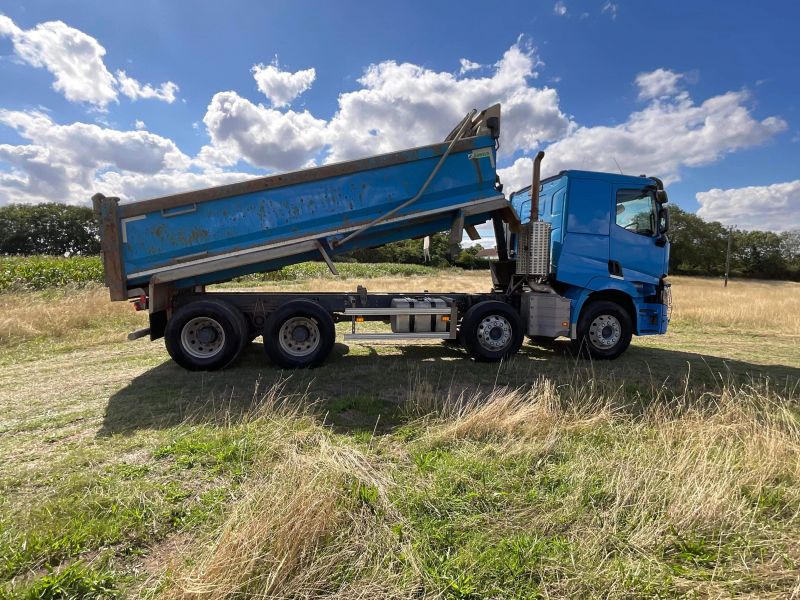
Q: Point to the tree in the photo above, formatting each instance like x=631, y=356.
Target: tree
x=696, y=246
x=51, y=228
x=790, y=249
x=759, y=254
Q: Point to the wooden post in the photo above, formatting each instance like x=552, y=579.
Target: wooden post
x=728, y=256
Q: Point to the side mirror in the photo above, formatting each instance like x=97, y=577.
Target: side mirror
x=661, y=196
x=663, y=220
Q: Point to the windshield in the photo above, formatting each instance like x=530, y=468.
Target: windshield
x=637, y=211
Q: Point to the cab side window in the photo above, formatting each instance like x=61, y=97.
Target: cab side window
x=636, y=211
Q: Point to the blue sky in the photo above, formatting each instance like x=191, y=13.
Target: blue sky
x=139, y=99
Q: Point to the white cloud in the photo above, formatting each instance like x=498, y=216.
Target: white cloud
x=467, y=66
x=75, y=60
x=401, y=105
x=86, y=145
x=398, y=106
x=134, y=90
x=139, y=124
x=560, y=9
x=8, y=27
x=519, y=174
x=130, y=186
x=658, y=84
x=262, y=136
x=611, y=8
x=773, y=207
x=281, y=87
x=660, y=140
x=34, y=175
x=63, y=163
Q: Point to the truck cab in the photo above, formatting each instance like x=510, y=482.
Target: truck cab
x=608, y=245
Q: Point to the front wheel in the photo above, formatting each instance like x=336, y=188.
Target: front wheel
x=491, y=331
x=604, y=330
x=299, y=334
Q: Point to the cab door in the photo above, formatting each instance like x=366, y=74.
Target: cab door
x=635, y=246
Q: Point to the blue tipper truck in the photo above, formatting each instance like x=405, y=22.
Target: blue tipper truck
x=585, y=256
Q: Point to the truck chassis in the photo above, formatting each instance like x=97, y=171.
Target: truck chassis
x=207, y=330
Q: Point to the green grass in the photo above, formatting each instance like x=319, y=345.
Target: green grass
x=123, y=472
x=30, y=273
x=27, y=273
x=314, y=270
x=75, y=580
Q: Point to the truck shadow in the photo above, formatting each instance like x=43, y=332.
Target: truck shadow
x=368, y=390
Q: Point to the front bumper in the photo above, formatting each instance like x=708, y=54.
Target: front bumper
x=656, y=311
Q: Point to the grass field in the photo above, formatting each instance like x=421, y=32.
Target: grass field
x=402, y=471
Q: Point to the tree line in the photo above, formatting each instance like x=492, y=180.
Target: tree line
x=410, y=252
x=52, y=228
x=698, y=247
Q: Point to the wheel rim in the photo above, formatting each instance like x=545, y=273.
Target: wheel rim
x=203, y=337
x=494, y=332
x=605, y=332
x=299, y=336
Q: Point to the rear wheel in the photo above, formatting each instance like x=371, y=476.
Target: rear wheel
x=604, y=330
x=299, y=334
x=205, y=335
x=491, y=331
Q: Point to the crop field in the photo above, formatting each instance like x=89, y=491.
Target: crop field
x=400, y=471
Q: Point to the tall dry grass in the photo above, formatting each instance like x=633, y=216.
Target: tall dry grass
x=754, y=306
x=321, y=518
x=721, y=466
x=315, y=519
x=447, y=280
x=306, y=528
x=64, y=313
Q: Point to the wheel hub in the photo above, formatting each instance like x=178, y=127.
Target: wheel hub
x=494, y=332
x=202, y=337
x=299, y=336
x=300, y=333
x=605, y=332
x=206, y=335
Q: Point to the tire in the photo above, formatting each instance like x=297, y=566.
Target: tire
x=604, y=331
x=491, y=331
x=205, y=335
x=299, y=334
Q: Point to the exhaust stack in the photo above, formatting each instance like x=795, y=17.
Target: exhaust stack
x=537, y=165
x=533, y=247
